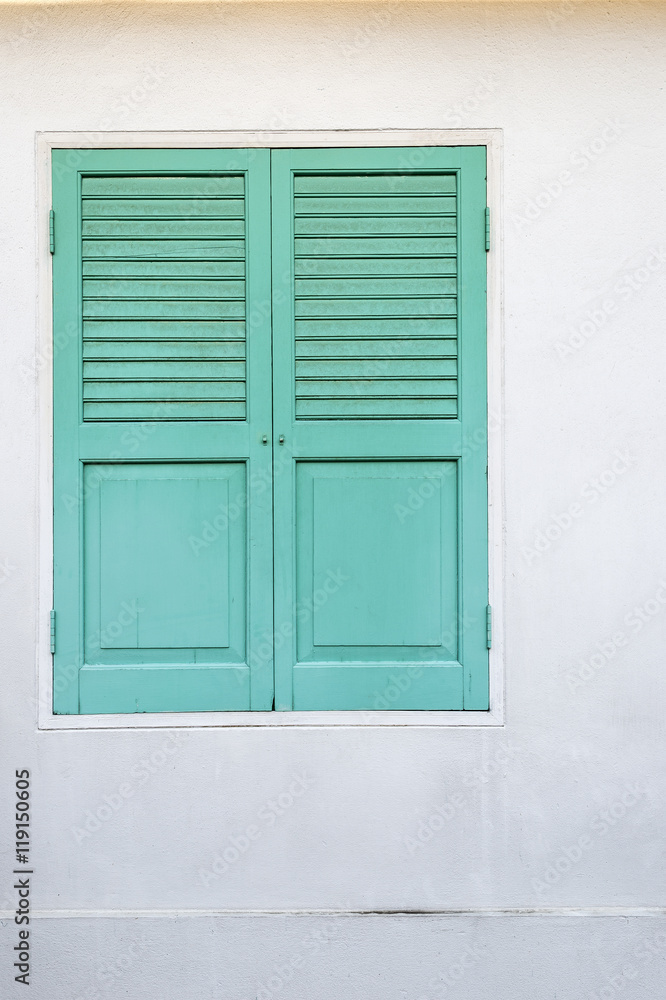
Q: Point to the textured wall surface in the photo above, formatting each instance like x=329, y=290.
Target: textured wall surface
x=558, y=814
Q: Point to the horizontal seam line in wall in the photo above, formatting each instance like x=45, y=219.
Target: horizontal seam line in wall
x=594, y=911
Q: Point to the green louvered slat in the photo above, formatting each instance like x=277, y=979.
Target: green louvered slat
x=394, y=183
x=148, y=229
x=380, y=367
x=350, y=408
x=205, y=186
x=165, y=350
x=141, y=268
x=391, y=386
x=158, y=288
x=378, y=225
x=383, y=327
x=374, y=246
x=376, y=349
x=165, y=208
x=371, y=308
x=124, y=371
x=158, y=409
x=359, y=266
x=136, y=309
x=172, y=250
x=167, y=330
x=377, y=205
x=369, y=287
x=172, y=389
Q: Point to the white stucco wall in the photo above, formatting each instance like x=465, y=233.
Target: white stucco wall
x=520, y=911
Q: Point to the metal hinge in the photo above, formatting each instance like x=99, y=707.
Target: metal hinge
x=52, y=617
x=487, y=229
x=489, y=626
x=52, y=231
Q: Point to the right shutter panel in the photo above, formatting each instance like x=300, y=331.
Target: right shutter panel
x=380, y=392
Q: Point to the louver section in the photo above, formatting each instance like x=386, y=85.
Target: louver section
x=375, y=274
x=163, y=268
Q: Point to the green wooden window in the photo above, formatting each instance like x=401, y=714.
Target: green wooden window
x=269, y=366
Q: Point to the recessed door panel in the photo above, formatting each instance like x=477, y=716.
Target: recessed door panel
x=376, y=558
x=169, y=564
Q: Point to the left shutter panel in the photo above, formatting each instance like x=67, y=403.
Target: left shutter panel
x=159, y=405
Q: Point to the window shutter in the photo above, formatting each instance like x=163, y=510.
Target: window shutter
x=231, y=536
x=380, y=392
x=162, y=563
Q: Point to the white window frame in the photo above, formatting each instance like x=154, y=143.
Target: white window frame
x=47, y=141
